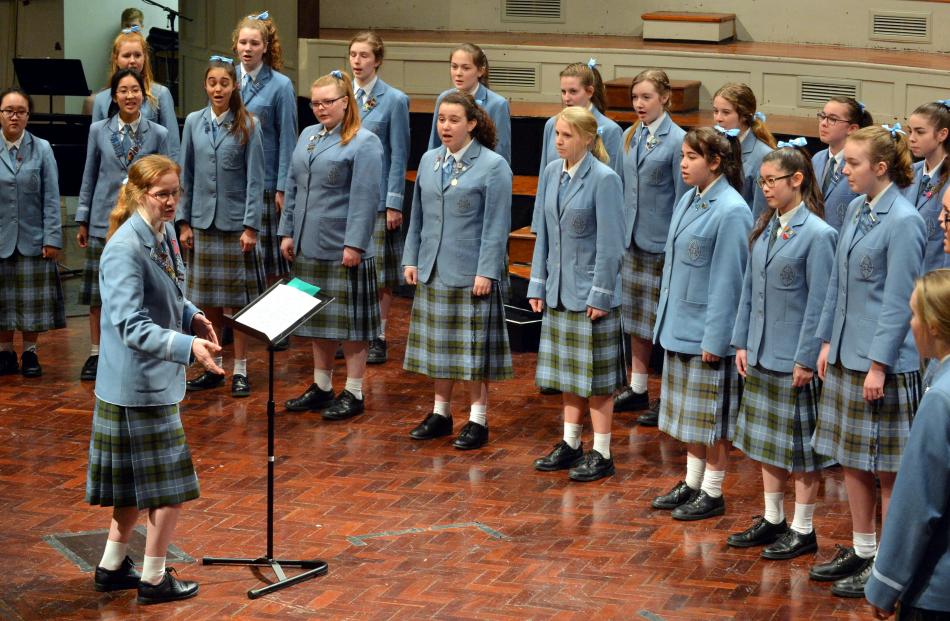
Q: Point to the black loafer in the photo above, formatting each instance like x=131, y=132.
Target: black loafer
x=700, y=507
x=853, y=586
x=791, y=544
x=680, y=494
x=629, y=401
x=549, y=391
x=312, y=399
x=845, y=563
x=240, y=387
x=593, y=466
x=89, y=368
x=377, y=352
x=170, y=589
x=30, y=364
x=346, y=405
x=762, y=532
x=8, y=363
x=205, y=381
x=561, y=458
x=125, y=577
x=433, y=426
x=472, y=436
x=650, y=418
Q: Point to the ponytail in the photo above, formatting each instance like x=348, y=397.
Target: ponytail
x=889, y=145
x=479, y=59
x=351, y=118
x=741, y=97
x=938, y=113
x=585, y=124
x=590, y=77
x=243, y=120
x=484, y=130
x=792, y=159
x=712, y=144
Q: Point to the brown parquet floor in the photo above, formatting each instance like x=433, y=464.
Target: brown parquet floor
x=411, y=530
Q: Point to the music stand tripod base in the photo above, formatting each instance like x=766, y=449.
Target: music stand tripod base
x=313, y=569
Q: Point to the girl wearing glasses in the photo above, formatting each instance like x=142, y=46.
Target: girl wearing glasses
x=384, y=111
x=468, y=67
x=114, y=145
x=706, y=254
x=333, y=192
x=777, y=352
x=734, y=107
x=653, y=186
x=219, y=215
x=269, y=95
x=139, y=459
x=130, y=51
x=31, y=236
x=929, y=139
x=868, y=361
x=455, y=250
x=841, y=117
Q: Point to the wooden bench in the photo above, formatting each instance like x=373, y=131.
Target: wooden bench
x=520, y=252
x=689, y=26
x=684, y=98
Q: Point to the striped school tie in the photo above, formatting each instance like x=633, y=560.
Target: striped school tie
x=642, y=141
x=922, y=190
x=829, y=175
x=562, y=190
x=12, y=153
x=864, y=219
x=447, y=169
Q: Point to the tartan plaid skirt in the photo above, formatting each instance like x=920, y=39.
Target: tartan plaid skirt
x=580, y=356
x=387, y=250
x=268, y=241
x=640, y=291
x=31, y=295
x=354, y=315
x=139, y=457
x=776, y=421
x=89, y=292
x=455, y=335
x=699, y=401
x=219, y=274
x=862, y=435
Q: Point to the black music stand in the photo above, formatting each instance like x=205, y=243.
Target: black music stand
x=313, y=568
x=51, y=76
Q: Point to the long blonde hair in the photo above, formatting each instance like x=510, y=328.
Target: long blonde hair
x=142, y=175
x=932, y=302
x=135, y=37
x=584, y=122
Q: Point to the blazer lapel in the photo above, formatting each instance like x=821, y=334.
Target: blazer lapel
x=796, y=222
x=695, y=212
x=221, y=132
x=22, y=154
x=328, y=141
x=880, y=212
x=656, y=139
x=577, y=182
x=263, y=77
x=379, y=90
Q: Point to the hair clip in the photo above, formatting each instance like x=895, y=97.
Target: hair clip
x=336, y=73
x=600, y=131
x=264, y=15
x=896, y=129
x=124, y=181
x=132, y=29
x=592, y=62
x=944, y=102
x=794, y=143
x=861, y=105
x=221, y=59
x=759, y=116
x=729, y=133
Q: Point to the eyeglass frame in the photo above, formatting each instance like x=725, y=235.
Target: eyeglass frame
x=14, y=114
x=325, y=103
x=770, y=181
x=164, y=196
x=832, y=120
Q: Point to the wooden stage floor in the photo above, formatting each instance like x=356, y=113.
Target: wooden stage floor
x=411, y=530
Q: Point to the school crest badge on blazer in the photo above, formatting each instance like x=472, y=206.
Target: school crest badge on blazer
x=578, y=223
x=867, y=267
x=334, y=174
x=787, y=276
x=841, y=211
x=464, y=204
x=694, y=251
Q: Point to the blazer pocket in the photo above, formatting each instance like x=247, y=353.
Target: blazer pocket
x=655, y=175
x=233, y=158
x=697, y=251
x=337, y=174
x=783, y=340
x=467, y=202
x=790, y=273
x=377, y=128
x=869, y=264
x=264, y=114
x=685, y=328
x=33, y=180
x=332, y=232
x=467, y=251
x=580, y=222
x=151, y=374
x=584, y=277
x=865, y=329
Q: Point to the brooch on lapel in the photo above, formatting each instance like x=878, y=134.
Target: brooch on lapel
x=787, y=232
x=652, y=142
x=457, y=169
x=227, y=126
x=311, y=143
x=788, y=275
x=929, y=190
x=369, y=104
x=117, y=147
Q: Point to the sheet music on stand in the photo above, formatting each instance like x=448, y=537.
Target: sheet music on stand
x=280, y=309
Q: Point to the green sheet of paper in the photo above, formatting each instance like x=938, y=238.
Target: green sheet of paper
x=304, y=286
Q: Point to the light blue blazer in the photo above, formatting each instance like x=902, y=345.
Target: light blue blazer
x=106, y=168
x=273, y=102
x=706, y=255
x=931, y=210
x=460, y=230
x=332, y=194
x=866, y=314
x=653, y=186
x=579, y=248
x=497, y=108
x=753, y=150
x=839, y=194
x=164, y=114
x=146, y=320
x=388, y=118
x=29, y=200
x=223, y=180
x=783, y=293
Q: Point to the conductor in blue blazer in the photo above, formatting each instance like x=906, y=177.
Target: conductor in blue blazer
x=114, y=145
x=840, y=117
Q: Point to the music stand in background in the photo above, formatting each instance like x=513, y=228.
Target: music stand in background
x=51, y=77
x=250, y=320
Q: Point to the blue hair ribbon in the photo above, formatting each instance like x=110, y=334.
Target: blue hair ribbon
x=794, y=143
x=759, y=116
x=895, y=129
x=336, y=73
x=132, y=29
x=600, y=131
x=264, y=15
x=944, y=102
x=730, y=133
x=861, y=105
x=221, y=59
x=592, y=62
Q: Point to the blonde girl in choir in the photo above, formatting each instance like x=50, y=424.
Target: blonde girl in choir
x=928, y=134
x=219, y=216
x=868, y=362
x=455, y=255
x=333, y=192
x=706, y=254
x=786, y=281
x=652, y=187
x=575, y=282
x=840, y=117
x=384, y=110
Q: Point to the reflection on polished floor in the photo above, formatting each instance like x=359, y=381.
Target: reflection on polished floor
x=411, y=530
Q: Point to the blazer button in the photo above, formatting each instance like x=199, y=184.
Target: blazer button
x=179, y=297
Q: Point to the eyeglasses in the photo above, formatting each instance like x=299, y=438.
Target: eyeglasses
x=832, y=120
x=770, y=181
x=10, y=113
x=165, y=196
x=325, y=103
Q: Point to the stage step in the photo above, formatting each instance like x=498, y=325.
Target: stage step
x=685, y=97
x=689, y=26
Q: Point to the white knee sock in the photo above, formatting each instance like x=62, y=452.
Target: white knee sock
x=219, y=360
x=93, y=350
x=355, y=386
x=382, y=329
x=638, y=382
x=694, y=471
x=479, y=414
x=602, y=444
x=712, y=482
x=29, y=346
x=6, y=346
x=802, y=522
x=153, y=569
x=572, y=434
x=865, y=544
x=113, y=555
x=774, y=507
x=240, y=367
x=323, y=379
x=442, y=408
